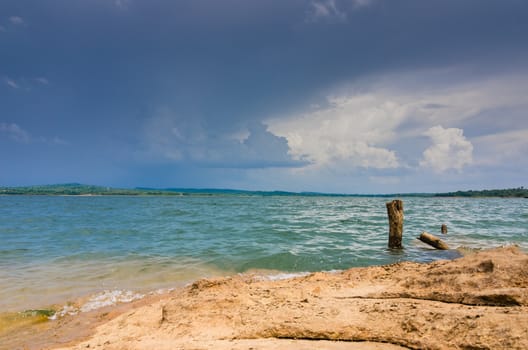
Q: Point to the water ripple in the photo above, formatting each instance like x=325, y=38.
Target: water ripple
x=68, y=245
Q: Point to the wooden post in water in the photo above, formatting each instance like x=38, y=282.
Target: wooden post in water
x=395, y=212
x=444, y=229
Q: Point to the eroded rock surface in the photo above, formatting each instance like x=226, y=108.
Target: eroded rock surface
x=475, y=302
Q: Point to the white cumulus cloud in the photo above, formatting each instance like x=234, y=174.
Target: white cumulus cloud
x=16, y=20
x=121, y=4
x=26, y=84
x=325, y=10
x=503, y=147
x=379, y=122
x=333, y=11
x=361, y=3
x=351, y=131
x=449, y=149
x=42, y=80
x=14, y=132
x=11, y=83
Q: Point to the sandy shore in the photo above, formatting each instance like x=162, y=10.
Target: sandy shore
x=476, y=302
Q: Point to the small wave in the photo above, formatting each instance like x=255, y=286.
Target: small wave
x=13, y=252
x=98, y=301
x=110, y=297
x=284, y=276
x=279, y=276
x=66, y=310
x=466, y=250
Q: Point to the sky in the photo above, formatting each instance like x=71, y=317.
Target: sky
x=339, y=96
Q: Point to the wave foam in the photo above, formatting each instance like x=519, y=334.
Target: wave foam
x=108, y=298
x=284, y=276
x=97, y=301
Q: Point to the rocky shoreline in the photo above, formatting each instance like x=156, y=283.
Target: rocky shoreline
x=479, y=301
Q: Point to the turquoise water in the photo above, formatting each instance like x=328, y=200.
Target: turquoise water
x=54, y=249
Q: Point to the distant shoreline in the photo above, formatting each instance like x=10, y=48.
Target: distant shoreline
x=90, y=190
x=75, y=189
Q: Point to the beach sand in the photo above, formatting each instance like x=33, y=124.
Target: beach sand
x=479, y=301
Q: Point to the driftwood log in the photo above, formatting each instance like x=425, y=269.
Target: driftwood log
x=434, y=241
x=395, y=212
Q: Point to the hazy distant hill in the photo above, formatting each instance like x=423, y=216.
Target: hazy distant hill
x=80, y=189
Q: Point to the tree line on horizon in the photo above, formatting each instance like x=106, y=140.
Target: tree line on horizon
x=509, y=193
x=80, y=189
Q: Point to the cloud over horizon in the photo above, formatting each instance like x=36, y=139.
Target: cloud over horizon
x=449, y=149
x=381, y=123
x=170, y=138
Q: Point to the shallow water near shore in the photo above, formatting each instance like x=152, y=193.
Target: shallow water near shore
x=105, y=250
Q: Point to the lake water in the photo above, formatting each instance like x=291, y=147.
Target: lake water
x=57, y=249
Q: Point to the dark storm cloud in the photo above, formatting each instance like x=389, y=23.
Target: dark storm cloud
x=227, y=61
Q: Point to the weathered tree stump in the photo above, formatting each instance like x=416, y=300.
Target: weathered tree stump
x=433, y=241
x=443, y=229
x=395, y=213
